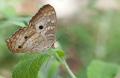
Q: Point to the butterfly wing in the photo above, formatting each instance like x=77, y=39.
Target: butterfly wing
x=35, y=43
x=26, y=39
x=16, y=42
x=45, y=23
x=45, y=17
x=35, y=38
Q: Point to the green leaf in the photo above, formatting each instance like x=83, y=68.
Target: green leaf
x=29, y=68
x=53, y=70
x=21, y=24
x=20, y=21
x=99, y=69
x=60, y=53
x=9, y=12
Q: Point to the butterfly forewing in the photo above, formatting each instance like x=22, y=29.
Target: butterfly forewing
x=35, y=43
x=16, y=42
x=39, y=35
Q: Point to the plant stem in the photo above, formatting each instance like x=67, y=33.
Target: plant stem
x=68, y=69
x=62, y=60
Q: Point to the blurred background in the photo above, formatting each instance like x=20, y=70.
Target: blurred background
x=86, y=30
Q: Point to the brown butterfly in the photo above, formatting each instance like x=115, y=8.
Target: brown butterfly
x=39, y=35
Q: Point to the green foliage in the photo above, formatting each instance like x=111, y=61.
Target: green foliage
x=79, y=39
x=60, y=53
x=28, y=68
x=30, y=65
x=99, y=69
x=52, y=71
x=7, y=8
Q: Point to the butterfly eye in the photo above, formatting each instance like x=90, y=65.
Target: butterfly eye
x=40, y=27
x=25, y=37
x=19, y=46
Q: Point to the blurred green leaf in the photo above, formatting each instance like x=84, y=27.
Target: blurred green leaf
x=99, y=69
x=60, y=53
x=8, y=8
x=9, y=12
x=29, y=65
x=29, y=68
x=18, y=23
x=53, y=70
x=91, y=4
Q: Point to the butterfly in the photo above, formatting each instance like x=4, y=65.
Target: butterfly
x=38, y=36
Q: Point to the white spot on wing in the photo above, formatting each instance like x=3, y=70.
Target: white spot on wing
x=48, y=20
x=52, y=21
x=53, y=12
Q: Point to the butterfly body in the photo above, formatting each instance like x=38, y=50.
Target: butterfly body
x=38, y=36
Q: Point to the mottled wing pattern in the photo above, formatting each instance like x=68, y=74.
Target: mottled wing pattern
x=33, y=37
x=35, y=43
x=16, y=42
x=46, y=17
